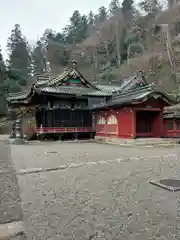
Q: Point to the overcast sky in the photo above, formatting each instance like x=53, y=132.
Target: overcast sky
x=35, y=16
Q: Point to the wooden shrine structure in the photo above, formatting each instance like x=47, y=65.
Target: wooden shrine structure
x=60, y=104
x=137, y=111
x=172, y=121
x=69, y=104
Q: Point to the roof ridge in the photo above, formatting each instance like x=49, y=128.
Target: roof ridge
x=61, y=89
x=131, y=79
x=132, y=91
x=86, y=80
x=59, y=77
x=27, y=91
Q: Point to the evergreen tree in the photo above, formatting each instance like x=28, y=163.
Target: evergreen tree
x=75, y=19
x=71, y=30
x=54, y=52
x=150, y=6
x=59, y=37
x=102, y=13
x=2, y=68
x=107, y=75
x=127, y=6
x=77, y=29
x=90, y=18
x=38, y=58
x=19, y=54
x=3, y=108
x=3, y=91
x=57, y=54
x=48, y=34
x=83, y=26
x=113, y=7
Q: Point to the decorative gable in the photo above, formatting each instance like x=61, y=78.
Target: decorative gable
x=73, y=82
x=70, y=77
x=73, y=78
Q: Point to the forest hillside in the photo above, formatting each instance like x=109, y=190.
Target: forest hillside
x=109, y=45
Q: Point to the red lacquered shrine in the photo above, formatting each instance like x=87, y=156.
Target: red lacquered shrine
x=172, y=121
x=136, y=111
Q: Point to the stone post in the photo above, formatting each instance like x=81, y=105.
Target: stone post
x=60, y=137
x=76, y=136
x=12, y=115
x=19, y=139
x=13, y=133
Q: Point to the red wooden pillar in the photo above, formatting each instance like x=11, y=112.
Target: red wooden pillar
x=157, y=125
x=133, y=123
x=161, y=124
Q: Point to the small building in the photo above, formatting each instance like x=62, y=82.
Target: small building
x=172, y=121
x=135, y=112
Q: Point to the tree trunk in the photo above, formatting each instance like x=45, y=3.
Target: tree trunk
x=128, y=53
x=168, y=43
x=118, y=44
x=107, y=52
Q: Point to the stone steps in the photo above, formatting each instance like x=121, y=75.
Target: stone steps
x=139, y=142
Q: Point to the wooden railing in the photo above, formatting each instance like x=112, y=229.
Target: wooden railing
x=42, y=130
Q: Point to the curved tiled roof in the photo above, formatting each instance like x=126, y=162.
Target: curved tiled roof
x=73, y=91
x=135, y=95
x=131, y=89
x=48, y=84
x=173, y=108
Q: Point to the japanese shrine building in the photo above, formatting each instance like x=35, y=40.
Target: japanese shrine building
x=137, y=111
x=172, y=121
x=60, y=104
x=68, y=103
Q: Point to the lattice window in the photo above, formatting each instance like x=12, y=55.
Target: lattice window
x=101, y=120
x=112, y=120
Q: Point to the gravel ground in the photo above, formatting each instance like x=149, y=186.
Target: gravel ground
x=10, y=202
x=103, y=193
x=11, y=212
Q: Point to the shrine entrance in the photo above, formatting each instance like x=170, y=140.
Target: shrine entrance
x=148, y=123
x=64, y=118
x=64, y=123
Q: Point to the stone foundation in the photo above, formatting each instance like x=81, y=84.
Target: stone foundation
x=139, y=142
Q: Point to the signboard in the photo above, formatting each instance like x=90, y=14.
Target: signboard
x=96, y=102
